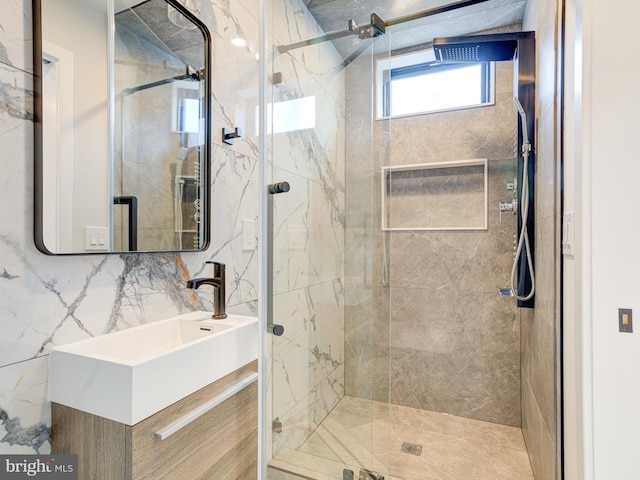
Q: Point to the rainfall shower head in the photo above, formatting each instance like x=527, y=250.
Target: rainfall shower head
x=478, y=48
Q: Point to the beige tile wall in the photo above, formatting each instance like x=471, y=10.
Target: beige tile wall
x=441, y=338
x=540, y=326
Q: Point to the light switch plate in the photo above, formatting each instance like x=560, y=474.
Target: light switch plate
x=96, y=239
x=248, y=234
x=625, y=320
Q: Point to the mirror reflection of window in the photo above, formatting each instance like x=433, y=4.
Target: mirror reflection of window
x=186, y=107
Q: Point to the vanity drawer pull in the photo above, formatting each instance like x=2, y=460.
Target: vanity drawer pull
x=204, y=408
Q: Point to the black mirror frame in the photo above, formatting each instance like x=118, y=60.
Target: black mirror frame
x=38, y=219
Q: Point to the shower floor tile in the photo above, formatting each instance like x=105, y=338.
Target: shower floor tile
x=360, y=433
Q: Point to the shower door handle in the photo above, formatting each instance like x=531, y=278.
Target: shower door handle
x=273, y=189
x=132, y=204
x=279, y=187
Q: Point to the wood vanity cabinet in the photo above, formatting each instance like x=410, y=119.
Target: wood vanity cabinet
x=221, y=444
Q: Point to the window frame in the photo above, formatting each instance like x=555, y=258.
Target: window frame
x=418, y=63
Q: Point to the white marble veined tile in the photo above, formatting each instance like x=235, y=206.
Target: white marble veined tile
x=55, y=300
x=291, y=21
x=234, y=73
x=308, y=360
x=150, y=287
x=300, y=422
x=16, y=137
x=36, y=302
x=24, y=410
x=340, y=156
x=234, y=198
x=251, y=6
x=50, y=301
x=15, y=34
x=318, y=62
x=330, y=133
x=313, y=148
x=302, y=154
x=308, y=234
x=309, y=73
x=16, y=96
x=269, y=396
x=313, y=345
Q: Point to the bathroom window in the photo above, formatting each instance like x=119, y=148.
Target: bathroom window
x=414, y=84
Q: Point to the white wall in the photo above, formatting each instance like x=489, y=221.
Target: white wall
x=602, y=382
x=81, y=27
x=577, y=344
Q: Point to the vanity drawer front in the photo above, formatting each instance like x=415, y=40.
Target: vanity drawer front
x=101, y=444
x=219, y=444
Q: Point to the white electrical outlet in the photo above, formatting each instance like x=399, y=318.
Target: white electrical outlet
x=248, y=234
x=96, y=239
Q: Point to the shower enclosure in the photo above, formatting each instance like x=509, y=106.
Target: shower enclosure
x=393, y=354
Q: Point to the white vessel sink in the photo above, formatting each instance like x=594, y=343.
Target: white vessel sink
x=129, y=375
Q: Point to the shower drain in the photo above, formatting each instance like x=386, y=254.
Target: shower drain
x=412, y=448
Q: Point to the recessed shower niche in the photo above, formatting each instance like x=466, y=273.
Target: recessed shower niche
x=435, y=196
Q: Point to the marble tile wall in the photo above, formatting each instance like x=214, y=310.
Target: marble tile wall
x=441, y=338
x=47, y=301
x=308, y=360
x=541, y=326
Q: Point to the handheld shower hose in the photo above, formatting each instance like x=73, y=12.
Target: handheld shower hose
x=523, y=239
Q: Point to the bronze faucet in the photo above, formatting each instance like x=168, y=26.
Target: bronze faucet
x=218, y=282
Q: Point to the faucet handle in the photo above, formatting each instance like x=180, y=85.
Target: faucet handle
x=218, y=267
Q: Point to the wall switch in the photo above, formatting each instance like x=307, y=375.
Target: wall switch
x=96, y=239
x=568, y=234
x=248, y=234
x=625, y=321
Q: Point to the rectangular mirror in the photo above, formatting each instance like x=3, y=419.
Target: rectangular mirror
x=122, y=132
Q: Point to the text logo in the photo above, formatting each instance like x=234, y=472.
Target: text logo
x=50, y=467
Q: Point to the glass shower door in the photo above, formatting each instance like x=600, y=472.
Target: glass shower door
x=325, y=284
x=398, y=356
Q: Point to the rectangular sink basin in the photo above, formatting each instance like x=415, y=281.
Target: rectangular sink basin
x=129, y=375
